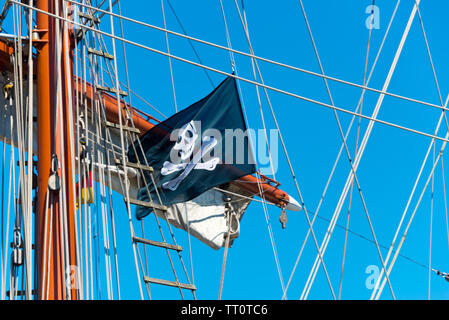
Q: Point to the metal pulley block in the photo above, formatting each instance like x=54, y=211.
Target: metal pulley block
x=17, y=256
x=54, y=182
x=283, y=219
x=232, y=218
x=17, y=252
x=17, y=238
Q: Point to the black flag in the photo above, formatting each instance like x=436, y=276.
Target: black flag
x=198, y=148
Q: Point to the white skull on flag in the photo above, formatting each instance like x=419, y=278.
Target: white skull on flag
x=186, y=140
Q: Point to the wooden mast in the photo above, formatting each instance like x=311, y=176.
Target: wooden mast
x=54, y=268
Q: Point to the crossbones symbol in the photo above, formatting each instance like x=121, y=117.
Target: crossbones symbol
x=185, y=147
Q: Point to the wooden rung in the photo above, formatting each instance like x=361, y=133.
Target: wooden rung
x=117, y=126
x=111, y=90
x=89, y=17
x=169, y=283
x=134, y=165
x=100, y=53
x=150, y=205
x=158, y=244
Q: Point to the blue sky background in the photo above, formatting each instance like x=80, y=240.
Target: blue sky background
x=390, y=163
x=387, y=171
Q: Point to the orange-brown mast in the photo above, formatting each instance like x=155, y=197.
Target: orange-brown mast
x=53, y=275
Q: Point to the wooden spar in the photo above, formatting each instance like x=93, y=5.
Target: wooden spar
x=50, y=265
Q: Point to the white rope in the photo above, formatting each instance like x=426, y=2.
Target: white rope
x=28, y=219
x=259, y=84
x=24, y=181
x=290, y=166
x=430, y=225
x=10, y=190
x=379, y=292
x=169, y=59
x=50, y=251
x=432, y=191
x=253, y=62
x=445, y=198
x=436, y=83
x=19, y=106
x=225, y=255
x=102, y=191
x=342, y=146
x=3, y=266
x=190, y=42
x=264, y=207
x=410, y=199
x=189, y=238
x=344, y=142
x=246, y=80
x=79, y=190
x=84, y=209
x=125, y=190
x=428, y=53
x=357, y=158
x=71, y=142
x=13, y=201
x=168, y=252
x=355, y=152
x=45, y=247
x=63, y=203
x=244, y=54
x=176, y=110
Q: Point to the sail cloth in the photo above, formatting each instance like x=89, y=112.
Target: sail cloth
x=201, y=147
x=205, y=216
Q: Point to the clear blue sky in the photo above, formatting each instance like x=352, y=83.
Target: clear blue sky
x=386, y=173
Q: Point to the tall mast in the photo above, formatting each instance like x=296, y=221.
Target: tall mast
x=55, y=231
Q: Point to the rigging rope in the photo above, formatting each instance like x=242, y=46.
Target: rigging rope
x=412, y=192
x=288, y=160
x=169, y=59
x=373, y=119
x=22, y=184
x=355, y=152
x=227, y=49
x=430, y=224
x=346, y=147
x=145, y=184
x=416, y=6
x=249, y=55
x=358, y=157
x=445, y=199
x=190, y=42
x=261, y=193
x=447, y=124
x=379, y=291
x=229, y=213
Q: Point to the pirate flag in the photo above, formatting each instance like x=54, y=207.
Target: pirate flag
x=198, y=148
